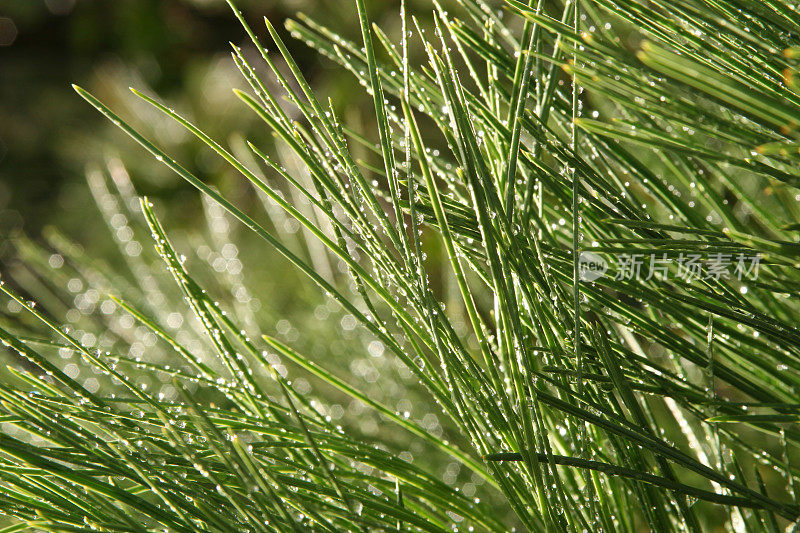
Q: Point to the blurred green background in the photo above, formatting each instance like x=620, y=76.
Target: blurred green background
x=178, y=49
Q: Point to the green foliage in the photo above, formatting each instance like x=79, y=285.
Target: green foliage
x=566, y=403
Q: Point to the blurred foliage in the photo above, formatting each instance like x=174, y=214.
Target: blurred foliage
x=178, y=48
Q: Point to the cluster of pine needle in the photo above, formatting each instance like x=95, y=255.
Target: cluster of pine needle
x=508, y=140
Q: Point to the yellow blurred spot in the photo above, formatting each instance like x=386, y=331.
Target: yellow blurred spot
x=792, y=52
